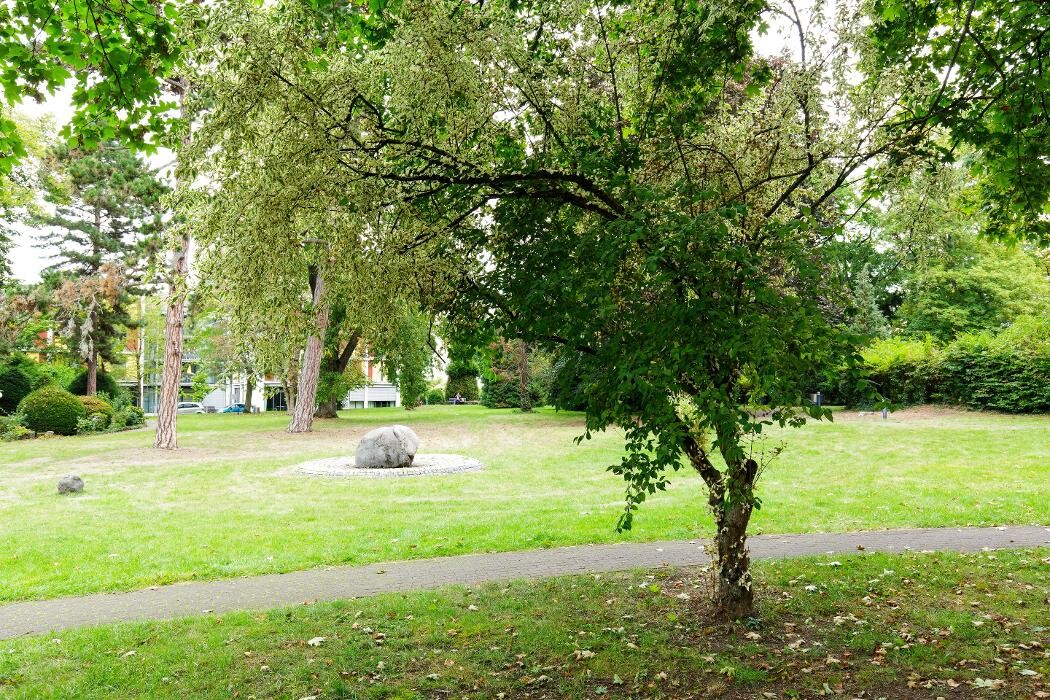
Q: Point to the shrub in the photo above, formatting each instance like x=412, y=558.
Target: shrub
x=1005, y=371
x=46, y=373
x=90, y=424
x=96, y=406
x=567, y=385
x=105, y=384
x=15, y=384
x=503, y=393
x=434, y=396
x=13, y=428
x=52, y=409
x=133, y=416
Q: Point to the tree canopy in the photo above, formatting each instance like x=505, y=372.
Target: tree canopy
x=985, y=70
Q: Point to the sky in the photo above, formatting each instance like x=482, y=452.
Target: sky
x=29, y=256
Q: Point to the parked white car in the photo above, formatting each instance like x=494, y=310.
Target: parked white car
x=190, y=407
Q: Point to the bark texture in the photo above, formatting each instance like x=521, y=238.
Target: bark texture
x=92, y=374
x=249, y=389
x=731, y=498
x=168, y=401
x=306, y=394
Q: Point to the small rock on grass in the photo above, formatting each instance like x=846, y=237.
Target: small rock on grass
x=70, y=484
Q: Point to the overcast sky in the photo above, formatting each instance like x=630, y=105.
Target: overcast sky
x=29, y=255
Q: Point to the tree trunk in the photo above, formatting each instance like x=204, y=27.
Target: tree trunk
x=524, y=399
x=92, y=374
x=327, y=409
x=249, y=388
x=306, y=394
x=731, y=498
x=168, y=401
x=336, y=362
x=734, y=598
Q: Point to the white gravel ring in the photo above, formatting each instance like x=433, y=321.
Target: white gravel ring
x=423, y=465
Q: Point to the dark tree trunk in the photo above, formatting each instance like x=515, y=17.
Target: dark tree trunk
x=335, y=360
x=524, y=399
x=92, y=374
x=327, y=409
x=249, y=389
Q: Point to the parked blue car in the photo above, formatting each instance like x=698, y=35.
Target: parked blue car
x=234, y=408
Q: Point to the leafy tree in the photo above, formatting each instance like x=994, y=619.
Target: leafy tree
x=406, y=355
x=272, y=210
x=984, y=288
x=117, y=52
x=516, y=375
x=868, y=319
x=626, y=181
x=94, y=315
x=980, y=69
x=18, y=193
x=106, y=216
x=337, y=374
x=462, y=371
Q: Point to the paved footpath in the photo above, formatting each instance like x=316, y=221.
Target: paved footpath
x=334, y=583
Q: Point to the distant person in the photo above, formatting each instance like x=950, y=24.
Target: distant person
x=459, y=399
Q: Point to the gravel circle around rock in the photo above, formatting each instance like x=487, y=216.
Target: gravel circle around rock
x=423, y=465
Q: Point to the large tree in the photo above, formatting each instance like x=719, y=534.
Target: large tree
x=272, y=212
x=626, y=181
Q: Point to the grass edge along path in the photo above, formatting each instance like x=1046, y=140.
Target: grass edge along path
x=902, y=626
x=334, y=583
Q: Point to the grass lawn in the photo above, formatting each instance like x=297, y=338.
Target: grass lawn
x=903, y=626
x=227, y=504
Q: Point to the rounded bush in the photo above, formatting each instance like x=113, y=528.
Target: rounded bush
x=52, y=409
x=15, y=385
x=105, y=384
x=97, y=407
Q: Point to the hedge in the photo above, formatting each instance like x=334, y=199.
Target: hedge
x=104, y=383
x=1006, y=371
x=15, y=384
x=52, y=409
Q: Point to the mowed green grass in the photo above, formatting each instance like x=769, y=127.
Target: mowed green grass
x=866, y=625
x=227, y=503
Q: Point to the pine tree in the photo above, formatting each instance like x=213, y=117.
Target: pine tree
x=104, y=228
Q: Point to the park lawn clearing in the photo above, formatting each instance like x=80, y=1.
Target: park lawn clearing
x=863, y=625
x=228, y=502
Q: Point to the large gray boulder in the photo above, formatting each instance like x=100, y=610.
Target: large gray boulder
x=70, y=484
x=389, y=447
